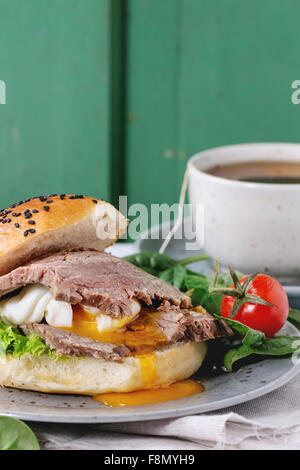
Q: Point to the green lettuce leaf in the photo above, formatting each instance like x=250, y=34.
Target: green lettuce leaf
x=13, y=343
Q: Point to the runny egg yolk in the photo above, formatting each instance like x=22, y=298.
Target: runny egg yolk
x=108, y=323
x=143, y=338
x=141, y=335
x=181, y=389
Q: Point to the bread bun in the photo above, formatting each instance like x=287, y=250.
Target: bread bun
x=46, y=224
x=91, y=376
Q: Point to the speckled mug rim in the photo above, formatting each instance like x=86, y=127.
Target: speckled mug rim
x=254, y=147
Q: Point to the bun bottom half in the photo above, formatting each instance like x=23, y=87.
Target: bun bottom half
x=91, y=376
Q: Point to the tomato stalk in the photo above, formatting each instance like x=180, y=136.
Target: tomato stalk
x=240, y=291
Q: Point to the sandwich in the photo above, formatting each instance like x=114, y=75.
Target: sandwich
x=75, y=319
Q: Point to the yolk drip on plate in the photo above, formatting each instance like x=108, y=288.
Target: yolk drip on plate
x=143, y=338
x=174, y=391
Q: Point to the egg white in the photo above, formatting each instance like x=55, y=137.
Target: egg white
x=35, y=302
x=32, y=304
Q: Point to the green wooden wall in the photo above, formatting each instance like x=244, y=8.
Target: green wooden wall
x=55, y=127
x=113, y=96
x=203, y=73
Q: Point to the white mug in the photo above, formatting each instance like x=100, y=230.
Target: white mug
x=252, y=226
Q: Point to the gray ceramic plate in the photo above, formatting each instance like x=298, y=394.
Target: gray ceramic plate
x=222, y=391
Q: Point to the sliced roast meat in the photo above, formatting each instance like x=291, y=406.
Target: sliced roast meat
x=201, y=327
x=95, y=279
x=70, y=344
x=178, y=324
x=171, y=326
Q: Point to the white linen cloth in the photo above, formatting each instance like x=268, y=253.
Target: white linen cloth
x=270, y=422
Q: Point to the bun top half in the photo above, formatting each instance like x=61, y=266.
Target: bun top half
x=47, y=224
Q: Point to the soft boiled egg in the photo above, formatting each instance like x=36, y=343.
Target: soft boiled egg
x=32, y=304
x=107, y=323
x=35, y=302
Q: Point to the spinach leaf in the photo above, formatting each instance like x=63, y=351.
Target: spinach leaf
x=195, y=281
x=201, y=294
x=174, y=275
x=16, y=435
x=278, y=346
x=152, y=260
x=250, y=335
x=294, y=317
x=255, y=343
x=235, y=354
x=160, y=262
x=170, y=270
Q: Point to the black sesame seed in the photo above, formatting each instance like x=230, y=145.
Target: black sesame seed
x=76, y=196
x=62, y=196
x=31, y=230
x=26, y=211
x=26, y=233
x=46, y=208
x=28, y=215
x=43, y=198
x=49, y=201
x=95, y=201
x=8, y=220
x=35, y=211
x=31, y=222
x=17, y=225
x=16, y=214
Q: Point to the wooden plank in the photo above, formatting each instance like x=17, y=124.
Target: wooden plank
x=152, y=100
x=118, y=97
x=204, y=73
x=55, y=127
x=239, y=61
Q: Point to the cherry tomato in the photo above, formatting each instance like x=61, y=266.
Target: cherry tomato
x=265, y=318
